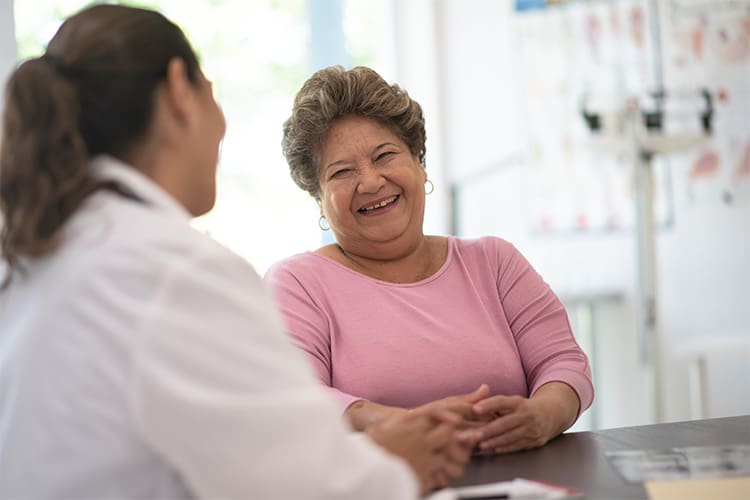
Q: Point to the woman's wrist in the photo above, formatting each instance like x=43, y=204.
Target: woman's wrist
x=559, y=401
x=363, y=414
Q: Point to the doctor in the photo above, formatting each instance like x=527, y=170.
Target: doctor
x=139, y=358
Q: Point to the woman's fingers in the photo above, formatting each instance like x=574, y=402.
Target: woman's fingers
x=469, y=437
x=452, y=470
x=498, y=405
x=503, y=424
x=506, y=438
x=477, y=395
x=440, y=480
x=515, y=446
x=515, y=431
x=459, y=452
x=440, y=436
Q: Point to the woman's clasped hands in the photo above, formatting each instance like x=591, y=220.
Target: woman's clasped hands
x=438, y=438
x=508, y=423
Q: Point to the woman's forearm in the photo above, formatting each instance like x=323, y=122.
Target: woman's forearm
x=362, y=414
x=561, y=403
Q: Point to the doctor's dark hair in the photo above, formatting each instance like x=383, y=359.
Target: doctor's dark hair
x=91, y=92
x=332, y=93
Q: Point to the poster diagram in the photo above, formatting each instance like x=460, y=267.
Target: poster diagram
x=602, y=56
x=707, y=42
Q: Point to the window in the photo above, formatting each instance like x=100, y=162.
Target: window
x=256, y=52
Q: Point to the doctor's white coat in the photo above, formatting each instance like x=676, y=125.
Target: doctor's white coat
x=141, y=359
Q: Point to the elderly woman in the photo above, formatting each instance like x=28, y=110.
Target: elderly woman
x=393, y=319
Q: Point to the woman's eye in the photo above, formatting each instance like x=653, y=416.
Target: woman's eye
x=339, y=173
x=384, y=154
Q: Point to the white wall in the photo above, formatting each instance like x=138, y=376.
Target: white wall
x=417, y=49
x=8, y=52
x=702, y=260
x=8, y=55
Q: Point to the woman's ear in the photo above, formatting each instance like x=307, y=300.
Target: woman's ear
x=178, y=90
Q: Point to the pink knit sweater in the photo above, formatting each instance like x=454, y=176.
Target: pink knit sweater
x=485, y=317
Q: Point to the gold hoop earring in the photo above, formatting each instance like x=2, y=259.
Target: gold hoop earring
x=429, y=187
x=322, y=227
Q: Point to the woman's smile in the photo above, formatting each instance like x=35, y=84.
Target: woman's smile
x=380, y=206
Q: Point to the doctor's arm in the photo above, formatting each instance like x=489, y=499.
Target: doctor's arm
x=221, y=395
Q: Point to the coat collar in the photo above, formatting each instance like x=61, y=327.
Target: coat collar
x=110, y=168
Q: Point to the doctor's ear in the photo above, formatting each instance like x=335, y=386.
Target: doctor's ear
x=179, y=90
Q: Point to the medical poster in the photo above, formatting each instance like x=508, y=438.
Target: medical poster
x=707, y=43
x=603, y=56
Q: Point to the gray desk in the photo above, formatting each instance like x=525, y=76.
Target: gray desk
x=577, y=459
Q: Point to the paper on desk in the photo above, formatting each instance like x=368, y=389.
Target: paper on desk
x=693, y=462
x=727, y=488
x=517, y=488
x=444, y=494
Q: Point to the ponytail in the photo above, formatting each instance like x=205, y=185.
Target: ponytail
x=44, y=173
x=92, y=93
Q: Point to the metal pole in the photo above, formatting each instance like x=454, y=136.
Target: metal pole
x=645, y=239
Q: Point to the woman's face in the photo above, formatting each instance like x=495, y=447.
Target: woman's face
x=371, y=188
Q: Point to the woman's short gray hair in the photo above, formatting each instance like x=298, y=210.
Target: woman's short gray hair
x=332, y=93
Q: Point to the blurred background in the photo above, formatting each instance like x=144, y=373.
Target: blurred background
x=638, y=217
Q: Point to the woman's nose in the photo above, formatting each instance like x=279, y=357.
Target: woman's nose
x=369, y=179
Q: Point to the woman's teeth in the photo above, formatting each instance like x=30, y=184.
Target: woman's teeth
x=379, y=205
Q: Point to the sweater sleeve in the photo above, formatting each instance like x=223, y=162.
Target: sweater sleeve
x=308, y=325
x=540, y=326
x=219, y=392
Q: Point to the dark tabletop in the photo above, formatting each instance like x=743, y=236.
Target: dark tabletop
x=577, y=459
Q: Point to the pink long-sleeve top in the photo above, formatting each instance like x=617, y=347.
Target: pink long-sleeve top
x=486, y=316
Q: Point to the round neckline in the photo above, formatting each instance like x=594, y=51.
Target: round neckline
x=434, y=276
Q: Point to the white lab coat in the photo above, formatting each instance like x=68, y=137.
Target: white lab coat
x=144, y=360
